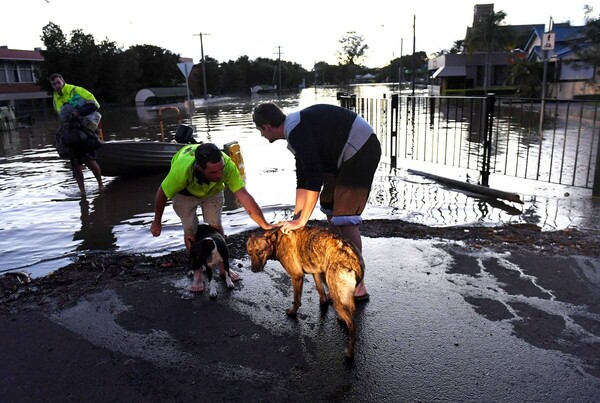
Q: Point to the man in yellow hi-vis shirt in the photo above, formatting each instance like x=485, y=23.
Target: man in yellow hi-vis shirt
x=71, y=101
x=198, y=175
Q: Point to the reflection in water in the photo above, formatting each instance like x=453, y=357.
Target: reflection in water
x=426, y=201
x=10, y=142
x=146, y=114
x=123, y=199
x=86, y=226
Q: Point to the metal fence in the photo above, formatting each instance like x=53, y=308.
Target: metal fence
x=497, y=136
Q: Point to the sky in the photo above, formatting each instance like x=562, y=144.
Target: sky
x=304, y=32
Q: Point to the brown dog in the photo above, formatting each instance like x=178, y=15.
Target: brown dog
x=319, y=252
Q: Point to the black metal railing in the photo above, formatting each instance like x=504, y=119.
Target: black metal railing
x=494, y=136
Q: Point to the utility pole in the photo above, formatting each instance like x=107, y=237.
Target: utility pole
x=414, y=58
x=279, y=69
x=203, y=63
x=400, y=69
x=547, y=44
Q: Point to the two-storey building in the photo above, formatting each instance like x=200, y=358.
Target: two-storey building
x=18, y=81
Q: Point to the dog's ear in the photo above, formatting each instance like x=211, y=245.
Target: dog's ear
x=271, y=235
x=260, y=245
x=251, y=240
x=201, y=249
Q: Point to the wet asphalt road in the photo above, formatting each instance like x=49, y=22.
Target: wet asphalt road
x=445, y=322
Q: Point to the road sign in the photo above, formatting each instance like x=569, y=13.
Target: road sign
x=185, y=68
x=548, y=41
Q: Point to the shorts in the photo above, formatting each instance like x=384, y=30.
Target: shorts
x=345, y=194
x=186, y=208
x=82, y=157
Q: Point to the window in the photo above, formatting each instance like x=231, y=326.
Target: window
x=26, y=73
x=3, y=79
x=13, y=74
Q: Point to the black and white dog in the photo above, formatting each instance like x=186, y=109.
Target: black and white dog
x=206, y=252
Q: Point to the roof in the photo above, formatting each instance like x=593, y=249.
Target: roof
x=16, y=54
x=450, y=71
x=524, y=31
x=160, y=92
x=565, y=36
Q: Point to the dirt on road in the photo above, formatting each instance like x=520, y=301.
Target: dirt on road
x=94, y=272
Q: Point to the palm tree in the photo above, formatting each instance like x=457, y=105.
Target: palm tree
x=488, y=35
x=526, y=76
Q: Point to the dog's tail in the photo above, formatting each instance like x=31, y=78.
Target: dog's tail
x=355, y=261
x=342, y=283
x=349, y=272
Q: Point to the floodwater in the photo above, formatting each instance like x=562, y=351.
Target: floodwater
x=45, y=224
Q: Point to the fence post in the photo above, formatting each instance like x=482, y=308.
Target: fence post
x=347, y=101
x=596, y=187
x=487, y=144
x=394, y=112
x=431, y=112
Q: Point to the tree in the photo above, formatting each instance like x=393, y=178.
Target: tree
x=214, y=77
x=111, y=67
x=264, y=71
x=488, y=35
x=55, y=42
x=292, y=74
x=526, y=76
x=157, y=66
x=84, y=63
x=77, y=59
x=324, y=73
x=352, y=53
x=401, y=68
x=115, y=75
x=458, y=47
x=236, y=75
x=589, y=50
x=97, y=67
x=130, y=73
x=353, y=49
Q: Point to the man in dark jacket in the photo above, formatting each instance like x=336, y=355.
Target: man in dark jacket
x=337, y=154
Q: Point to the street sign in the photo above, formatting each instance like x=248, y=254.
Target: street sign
x=185, y=68
x=548, y=41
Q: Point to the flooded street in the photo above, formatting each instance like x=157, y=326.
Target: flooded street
x=45, y=224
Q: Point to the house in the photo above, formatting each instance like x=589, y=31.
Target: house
x=18, y=80
x=364, y=78
x=567, y=76
x=463, y=73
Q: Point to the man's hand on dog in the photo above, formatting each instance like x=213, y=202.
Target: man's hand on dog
x=270, y=226
x=287, y=226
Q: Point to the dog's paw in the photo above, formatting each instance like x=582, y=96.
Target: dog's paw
x=324, y=302
x=230, y=284
x=213, y=288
